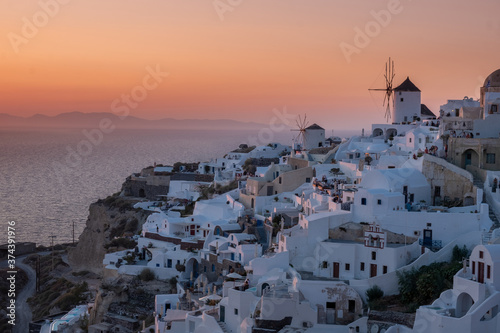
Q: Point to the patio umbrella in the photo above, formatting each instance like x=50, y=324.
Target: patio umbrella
x=213, y=297
x=234, y=276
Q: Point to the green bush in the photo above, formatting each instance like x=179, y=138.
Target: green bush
x=374, y=293
x=147, y=275
x=374, y=296
x=424, y=285
x=459, y=254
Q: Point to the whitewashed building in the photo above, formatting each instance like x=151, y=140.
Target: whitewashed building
x=473, y=303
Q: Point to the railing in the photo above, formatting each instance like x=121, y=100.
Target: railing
x=346, y=205
x=432, y=244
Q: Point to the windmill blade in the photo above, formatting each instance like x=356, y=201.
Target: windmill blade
x=303, y=140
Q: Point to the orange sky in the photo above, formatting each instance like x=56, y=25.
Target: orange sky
x=263, y=55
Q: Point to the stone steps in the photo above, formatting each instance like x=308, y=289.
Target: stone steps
x=479, y=184
x=223, y=326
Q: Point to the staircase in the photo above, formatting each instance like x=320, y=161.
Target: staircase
x=486, y=237
x=479, y=184
x=223, y=326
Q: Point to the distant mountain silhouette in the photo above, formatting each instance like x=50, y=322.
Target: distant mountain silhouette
x=92, y=120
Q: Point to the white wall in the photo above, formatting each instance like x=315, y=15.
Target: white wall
x=356, y=253
x=487, y=128
x=389, y=282
x=445, y=226
x=409, y=107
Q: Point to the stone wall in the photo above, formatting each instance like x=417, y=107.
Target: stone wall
x=453, y=182
x=227, y=265
x=186, y=246
x=150, y=187
x=458, y=148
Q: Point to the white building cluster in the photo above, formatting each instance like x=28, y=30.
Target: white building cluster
x=296, y=246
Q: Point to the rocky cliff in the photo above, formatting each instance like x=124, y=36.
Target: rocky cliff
x=108, y=219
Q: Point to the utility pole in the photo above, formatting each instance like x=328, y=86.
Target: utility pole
x=52, y=239
x=38, y=274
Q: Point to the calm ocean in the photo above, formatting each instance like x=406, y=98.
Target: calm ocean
x=43, y=203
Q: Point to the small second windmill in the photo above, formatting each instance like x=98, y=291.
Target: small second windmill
x=388, y=97
x=301, y=128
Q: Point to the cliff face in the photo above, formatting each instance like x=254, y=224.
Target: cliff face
x=108, y=218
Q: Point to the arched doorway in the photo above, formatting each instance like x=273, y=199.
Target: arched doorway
x=464, y=303
x=391, y=132
x=378, y=132
x=265, y=286
x=468, y=201
x=191, y=266
x=470, y=157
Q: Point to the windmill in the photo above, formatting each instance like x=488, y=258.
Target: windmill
x=301, y=128
x=389, y=77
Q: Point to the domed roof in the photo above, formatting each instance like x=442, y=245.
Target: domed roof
x=377, y=147
x=493, y=80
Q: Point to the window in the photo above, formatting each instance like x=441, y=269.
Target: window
x=279, y=180
x=409, y=139
x=157, y=265
x=204, y=269
x=169, y=263
x=494, y=108
x=379, y=202
x=384, y=269
x=213, y=268
x=488, y=272
x=473, y=267
x=419, y=140
x=325, y=264
x=402, y=99
x=363, y=201
x=481, y=254
x=347, y=267
x=362, y=266
x=331, y=305
x=374, y=255
x=352, y=306
x=437, y=191
x=178, y=262
x=490, y=158
x=235, y=311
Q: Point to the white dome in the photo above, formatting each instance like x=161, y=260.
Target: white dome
x=377, y=148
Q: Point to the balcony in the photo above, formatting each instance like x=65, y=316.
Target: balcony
x=433, y=245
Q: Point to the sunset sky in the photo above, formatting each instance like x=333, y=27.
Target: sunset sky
x=243, y=63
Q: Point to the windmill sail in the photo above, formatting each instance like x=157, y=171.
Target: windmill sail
x=301, y=128
x=388, y=97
